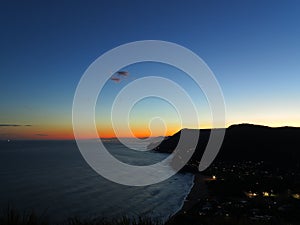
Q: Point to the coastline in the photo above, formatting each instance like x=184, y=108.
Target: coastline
x=197, y=192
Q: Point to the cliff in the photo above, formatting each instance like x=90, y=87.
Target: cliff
x=246, y=142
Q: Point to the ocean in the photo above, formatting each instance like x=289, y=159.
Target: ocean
x=52, y=178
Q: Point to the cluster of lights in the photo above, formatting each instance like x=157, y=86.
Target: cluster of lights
x=296, y=196
x=250, y=194
x=264, y=194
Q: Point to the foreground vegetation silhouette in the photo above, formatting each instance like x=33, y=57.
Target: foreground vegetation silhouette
x=11, y=216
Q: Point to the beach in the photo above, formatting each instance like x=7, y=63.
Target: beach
x=198, y=192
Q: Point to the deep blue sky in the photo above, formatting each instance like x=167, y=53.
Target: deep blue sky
x=252, y=47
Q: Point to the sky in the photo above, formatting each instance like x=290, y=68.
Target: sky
x=252, y=47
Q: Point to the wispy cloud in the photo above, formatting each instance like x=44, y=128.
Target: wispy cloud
x=15, y=125
x=123, y=73
x=120, y=74
x=115, y=79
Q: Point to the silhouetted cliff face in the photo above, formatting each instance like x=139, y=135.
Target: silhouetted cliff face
x=246, y=142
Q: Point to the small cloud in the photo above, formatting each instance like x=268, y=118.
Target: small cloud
x=42, y=135
x=120, y=74
x=115, y=79
x=123, y=73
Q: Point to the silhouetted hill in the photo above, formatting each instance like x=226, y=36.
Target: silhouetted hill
x=246, y=142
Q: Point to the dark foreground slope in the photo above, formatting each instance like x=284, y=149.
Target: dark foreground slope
x=246, y=142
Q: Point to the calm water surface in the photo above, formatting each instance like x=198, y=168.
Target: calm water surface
x=52, y=177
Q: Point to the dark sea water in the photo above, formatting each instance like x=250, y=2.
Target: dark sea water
x=51, y=177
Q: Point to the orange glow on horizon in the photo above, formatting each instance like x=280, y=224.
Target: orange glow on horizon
x=66, y=132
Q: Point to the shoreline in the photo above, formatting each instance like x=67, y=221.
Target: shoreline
x=197, y=192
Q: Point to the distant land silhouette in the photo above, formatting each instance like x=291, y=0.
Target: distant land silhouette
x=245, y=142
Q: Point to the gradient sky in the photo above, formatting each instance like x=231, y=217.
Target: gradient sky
x=253, y=48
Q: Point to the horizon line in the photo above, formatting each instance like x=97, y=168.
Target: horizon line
x=143, y=137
